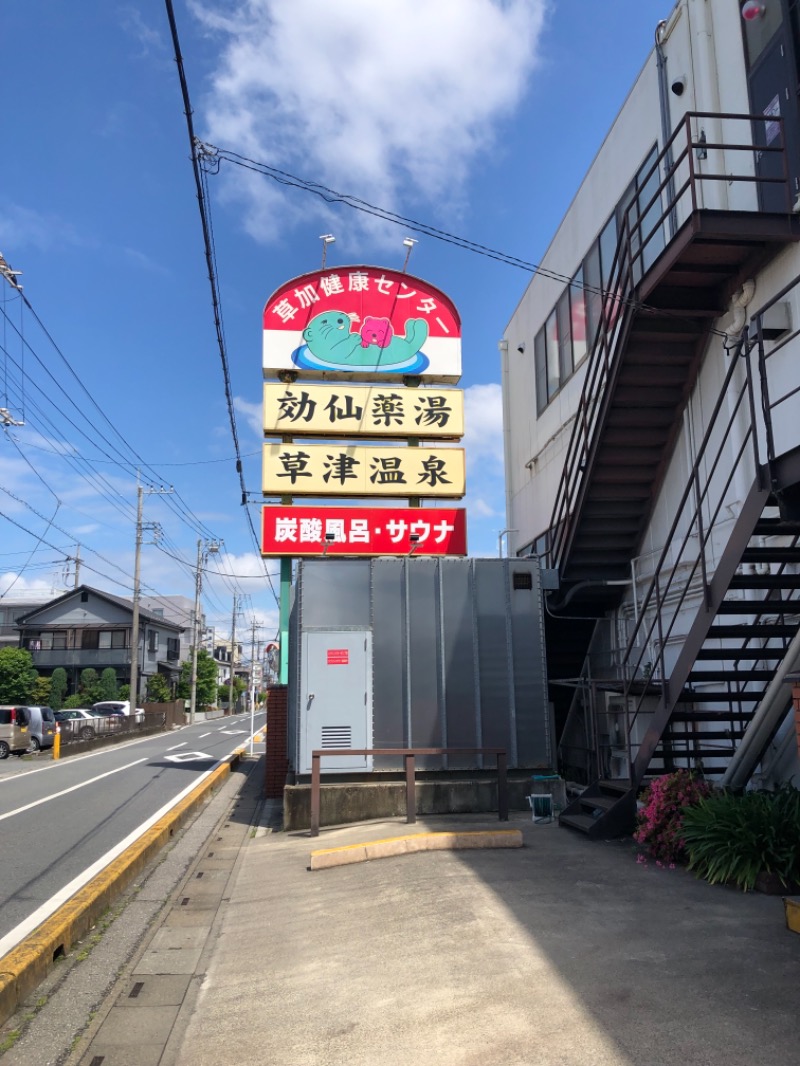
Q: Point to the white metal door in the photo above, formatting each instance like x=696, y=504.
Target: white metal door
x=336, y=697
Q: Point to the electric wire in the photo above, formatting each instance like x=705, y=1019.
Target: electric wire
x=331, y=196
x=208, y=242
x=36, y=547
x=181, y=508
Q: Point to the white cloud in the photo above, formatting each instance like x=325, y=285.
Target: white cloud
x=253, y=414
x=24, y=228
x=365, y=97
x=483, y=417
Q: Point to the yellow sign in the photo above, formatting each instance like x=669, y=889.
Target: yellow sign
x=353, y=411
x=349, y=470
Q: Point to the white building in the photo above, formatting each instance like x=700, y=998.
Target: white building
x=651, y=383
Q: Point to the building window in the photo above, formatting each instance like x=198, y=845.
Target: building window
x=104, y=640
x=119, y=638
x=563, y=316
x=152, y=640
x=759, y=32
x=577, y=299
x=84, y=597
x=540, y=370
x=59, y=641
x=90, y=639
x=551, y=340
x=173, y=649
x=571, y=329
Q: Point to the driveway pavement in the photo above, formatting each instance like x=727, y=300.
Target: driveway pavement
x=562, y=953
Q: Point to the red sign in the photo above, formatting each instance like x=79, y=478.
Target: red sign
x=364, y=531
x=338, y=657
x=362, y=322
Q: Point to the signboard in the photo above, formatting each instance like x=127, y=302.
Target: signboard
x=362, y=531
x=363, y=322
x=362, y=411
x=338, y=656
x=354, y=470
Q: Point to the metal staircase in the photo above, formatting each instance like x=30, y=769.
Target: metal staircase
x=722, y=605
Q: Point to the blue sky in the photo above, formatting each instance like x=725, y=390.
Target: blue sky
x=479, y=117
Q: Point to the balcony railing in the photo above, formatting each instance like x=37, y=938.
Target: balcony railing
x=82, y=657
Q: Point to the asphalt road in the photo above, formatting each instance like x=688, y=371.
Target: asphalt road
x=62, y=821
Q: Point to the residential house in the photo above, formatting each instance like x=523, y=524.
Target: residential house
x=89, y=628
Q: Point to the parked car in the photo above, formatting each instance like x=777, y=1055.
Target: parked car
x=41, y=726
x=121, y=707
x=14, y=737
x=79, y=722
x=26, y=728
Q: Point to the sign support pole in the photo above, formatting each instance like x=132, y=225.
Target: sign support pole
x=286, y=585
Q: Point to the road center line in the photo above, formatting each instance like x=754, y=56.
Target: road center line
x=55, y=795
x=203, y=735
x=174, y=746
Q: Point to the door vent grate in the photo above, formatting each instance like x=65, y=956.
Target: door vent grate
x=337, y=736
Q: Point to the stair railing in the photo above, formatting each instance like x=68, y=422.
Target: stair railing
x=684, y=560
x=679, y=194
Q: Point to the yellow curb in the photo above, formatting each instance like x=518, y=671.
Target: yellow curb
x=792, y=914
x=326, y=858
x=26, y=965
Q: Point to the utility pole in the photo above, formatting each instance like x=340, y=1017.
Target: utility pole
x=134, y=692
x=140, y=527
x=233, y=652
x=204, y=549
x=77, y=561
x=252, y=684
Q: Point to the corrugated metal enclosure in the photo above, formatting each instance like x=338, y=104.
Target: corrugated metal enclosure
x=418, y=652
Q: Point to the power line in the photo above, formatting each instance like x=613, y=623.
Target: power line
x=210, y=256
x=215, y=156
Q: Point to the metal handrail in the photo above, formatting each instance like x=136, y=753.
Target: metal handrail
x=619, y=300
x=408, y=755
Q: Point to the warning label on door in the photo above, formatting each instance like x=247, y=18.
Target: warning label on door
x=338, y=657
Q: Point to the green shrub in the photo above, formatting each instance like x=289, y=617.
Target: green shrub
x=58, y=686
x=732, y=838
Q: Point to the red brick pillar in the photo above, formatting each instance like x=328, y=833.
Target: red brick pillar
x=277, y=761
x=796, y=704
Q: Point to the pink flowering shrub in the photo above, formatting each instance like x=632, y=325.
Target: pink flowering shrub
x=660, y=821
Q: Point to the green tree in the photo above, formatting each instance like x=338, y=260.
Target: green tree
x=206, y=680
x=17, y=675
x=76, y=700
x=158, y=689
x=58, y=686
x=90, y=689
x=40, y=697
x=124, y=692
x=108, y=684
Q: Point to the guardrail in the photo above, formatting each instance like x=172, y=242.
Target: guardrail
x=408, y=755
x=74, y=730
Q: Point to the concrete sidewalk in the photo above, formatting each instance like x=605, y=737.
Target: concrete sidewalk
x=564, y=953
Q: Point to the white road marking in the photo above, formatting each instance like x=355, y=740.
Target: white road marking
x=10, y=940
x=55, y=795
x=181, y=745
x=203, y=735
x=232, y=732
x=189, y=756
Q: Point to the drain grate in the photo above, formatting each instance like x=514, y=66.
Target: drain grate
x=137, y=988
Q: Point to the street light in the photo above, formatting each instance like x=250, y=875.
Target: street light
x=204, y=549
x=503, y=533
